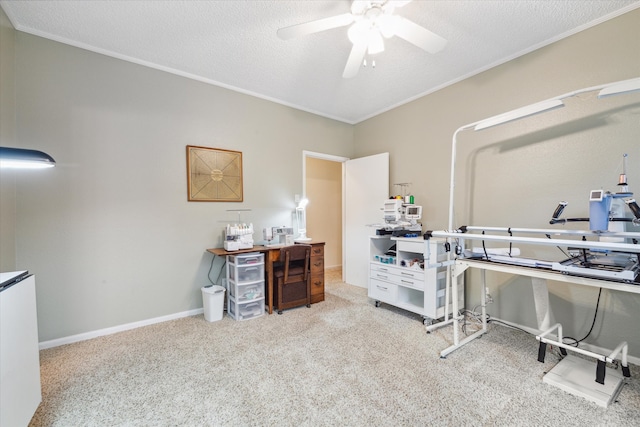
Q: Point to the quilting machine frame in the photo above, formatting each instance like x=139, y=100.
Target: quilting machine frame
x=460, y=265
x=457, y=267
x=587, y=387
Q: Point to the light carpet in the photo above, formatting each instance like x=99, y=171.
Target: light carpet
x=342, y=362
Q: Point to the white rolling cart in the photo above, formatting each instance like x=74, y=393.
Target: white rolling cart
x=245, y=281
x=413, y=279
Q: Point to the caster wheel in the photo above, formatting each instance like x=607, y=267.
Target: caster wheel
x=308, y=305
x=377, y=303
x=279, y=311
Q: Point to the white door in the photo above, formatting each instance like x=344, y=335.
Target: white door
x=366, y=187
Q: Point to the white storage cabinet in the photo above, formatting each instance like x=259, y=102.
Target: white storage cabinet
x=410, y=280
x=20, y=390
x=245, y=281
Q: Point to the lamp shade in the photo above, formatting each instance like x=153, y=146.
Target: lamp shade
x=21, y=158
x=301, y=218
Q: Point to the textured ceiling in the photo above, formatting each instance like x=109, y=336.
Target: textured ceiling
x=233, y=43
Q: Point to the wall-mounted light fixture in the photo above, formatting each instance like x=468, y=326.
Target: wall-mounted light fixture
x=22, y=158
x=301, y=218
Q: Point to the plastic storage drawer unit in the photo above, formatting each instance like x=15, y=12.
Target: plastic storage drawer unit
x=245, y=278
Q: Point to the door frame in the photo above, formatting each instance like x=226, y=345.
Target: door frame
x=322, y=156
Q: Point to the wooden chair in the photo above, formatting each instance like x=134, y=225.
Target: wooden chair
x=293, y=278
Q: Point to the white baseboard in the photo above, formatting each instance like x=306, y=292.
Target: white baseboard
x=108, y=331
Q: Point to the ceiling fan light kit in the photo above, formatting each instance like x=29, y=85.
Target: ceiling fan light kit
x=365, y=34
x=370, y=21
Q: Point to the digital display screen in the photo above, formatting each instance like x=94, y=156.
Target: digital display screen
x=596, y=195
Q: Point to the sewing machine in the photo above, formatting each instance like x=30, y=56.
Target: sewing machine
x=238, y=236
x=607, y=218
x=278, y=236
x=605, y=251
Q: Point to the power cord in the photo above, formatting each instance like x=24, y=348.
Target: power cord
x=476, y=317
x=224, y=263
x=213, y=258
x=575, y=341
x=472, y=314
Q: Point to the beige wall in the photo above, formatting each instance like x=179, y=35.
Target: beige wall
x=7, y=139
x=324, y=214
x=109, y=232
x=113, y=240
x=515, y=175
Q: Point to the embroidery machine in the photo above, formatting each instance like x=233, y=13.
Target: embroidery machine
x=400, y=218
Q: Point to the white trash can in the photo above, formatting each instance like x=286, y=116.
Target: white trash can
x=213, y=302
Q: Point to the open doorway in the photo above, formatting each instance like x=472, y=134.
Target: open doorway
x=323, y=186
x=364, y=185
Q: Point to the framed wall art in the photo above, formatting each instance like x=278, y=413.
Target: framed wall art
x=214, y=174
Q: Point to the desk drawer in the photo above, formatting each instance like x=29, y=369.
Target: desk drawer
x=317, y=251
x=317, y=265
x=317, y=284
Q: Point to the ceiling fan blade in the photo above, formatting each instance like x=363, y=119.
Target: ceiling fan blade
x=398, y=3
x=419, y=36
x=299, y=30
x=355, y=59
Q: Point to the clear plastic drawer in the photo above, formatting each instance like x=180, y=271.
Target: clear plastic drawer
x=251, y=258
x=247, y=292
x=247, y=311
x=247, y=273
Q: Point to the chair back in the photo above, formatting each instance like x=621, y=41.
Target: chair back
x=296, y=262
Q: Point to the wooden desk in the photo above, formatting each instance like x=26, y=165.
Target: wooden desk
x=272, y=254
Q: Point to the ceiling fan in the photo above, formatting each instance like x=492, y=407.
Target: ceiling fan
x=370, y=21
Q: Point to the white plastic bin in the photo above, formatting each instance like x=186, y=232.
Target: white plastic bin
x=213, y=302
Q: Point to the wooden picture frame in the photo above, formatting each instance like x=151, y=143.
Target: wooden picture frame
x=214, y=175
